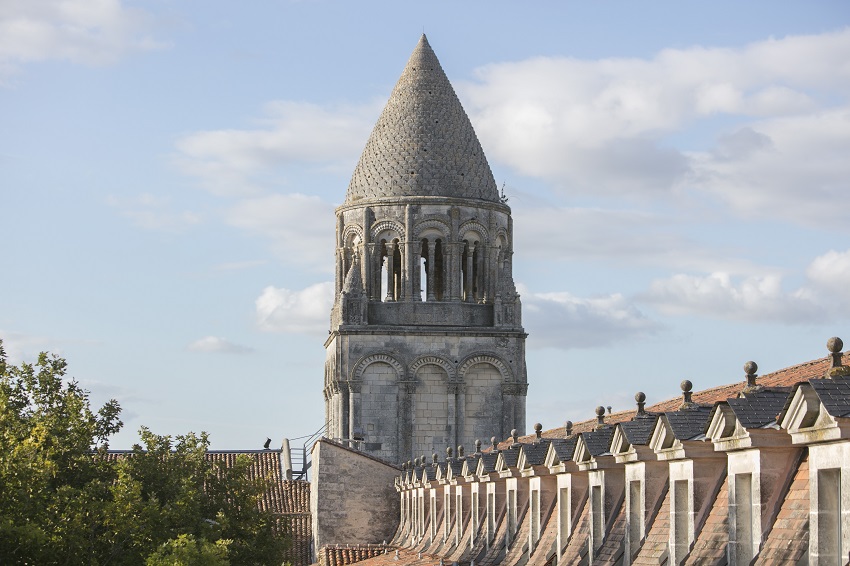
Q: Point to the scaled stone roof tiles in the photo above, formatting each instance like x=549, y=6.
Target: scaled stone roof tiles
x=423, y=143
x=535, y=454
x=788, y=540
x=565, y=448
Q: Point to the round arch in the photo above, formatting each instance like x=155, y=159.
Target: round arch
x=447, y=366
x=364, y=362
x=491, y=359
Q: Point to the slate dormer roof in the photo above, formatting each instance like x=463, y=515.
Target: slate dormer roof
x=511, y=456
x=759, y=409
x=689, y=424
x=535, y=454
x=455, y=465
x=834, y=394
x=429, y=473
x=598, y=441
x=564, y=448
x=487, y=462
x=639, y=430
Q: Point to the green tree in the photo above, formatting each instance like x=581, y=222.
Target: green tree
x=185, y=550
x=64, y=499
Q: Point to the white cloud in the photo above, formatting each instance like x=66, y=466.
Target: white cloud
x=718, y=295
x=219, y=345
x=600, y=127
x=91, y=32
x=561, y=320
x=296, y=224
x=21, y=347
x=793, y=167
x=829, y=274
x=574, y=233
x=247, y=162
x=296, y=312
x=154, y=212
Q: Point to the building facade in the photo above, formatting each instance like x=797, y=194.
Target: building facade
x=426, y=346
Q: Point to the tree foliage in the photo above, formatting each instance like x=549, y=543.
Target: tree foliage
x=64, y=499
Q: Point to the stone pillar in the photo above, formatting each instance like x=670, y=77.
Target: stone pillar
x=451, y=418
x=344, y=410
x=470, y=252
x=460, y=414
x=408, y=284
x=406, y=389
x=390, y=263
x=454, y=279
x=416, y=277
x=429, y=264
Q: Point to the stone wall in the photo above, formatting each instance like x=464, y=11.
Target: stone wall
x=353, y=497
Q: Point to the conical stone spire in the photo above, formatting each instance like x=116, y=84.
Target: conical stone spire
x=423, y=143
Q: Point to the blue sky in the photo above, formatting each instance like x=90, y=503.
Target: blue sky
x=678, y=176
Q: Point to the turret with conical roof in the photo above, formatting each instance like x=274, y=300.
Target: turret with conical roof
x=426, y=347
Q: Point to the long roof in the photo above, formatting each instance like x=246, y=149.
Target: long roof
x=423, y=144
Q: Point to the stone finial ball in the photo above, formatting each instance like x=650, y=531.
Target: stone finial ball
x=435, y=456
x=449, y=451
x=640, y=396
x=460, y=450
x=513, y=432
x=477, y=443
x=751, y=367
x=835, y=344
x=538, y=427
x=600, y=411
x=493, y=440
x=686, y=385
x=568, y=424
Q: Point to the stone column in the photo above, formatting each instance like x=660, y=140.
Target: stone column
x=344, y=410
x=416, y=277
x=460, y=414
x=429, y=265
x=390, y=275
x=469, y=273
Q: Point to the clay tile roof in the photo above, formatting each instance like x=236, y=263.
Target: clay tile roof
x=688, y=424
x=755, y=410
x=535, y=453
x=598, y=441
x=834, y=394
x=423, y=143
x=639, y=430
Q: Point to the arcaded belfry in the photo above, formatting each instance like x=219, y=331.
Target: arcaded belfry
x=426, y=348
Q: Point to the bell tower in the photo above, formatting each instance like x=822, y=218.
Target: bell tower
x=426, y=347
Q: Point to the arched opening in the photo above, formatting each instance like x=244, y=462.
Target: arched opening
x=470, y=270
x=432, y=269
x=390, y=271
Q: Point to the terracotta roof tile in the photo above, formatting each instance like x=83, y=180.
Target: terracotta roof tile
x=710, y=546
x=611, y=551
x=788, y=540
x=577, y=546
x=654, y=548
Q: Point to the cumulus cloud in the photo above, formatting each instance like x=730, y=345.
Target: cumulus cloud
x=792, y=167
x=576, y=233
x=22, y=347
x=296, y=312
x=243, y=162
x=603, y=127
x=218, y=345
x=561, y=320
x=91, y=32
x=823, y=296
x=296, y=224
x=154, y=212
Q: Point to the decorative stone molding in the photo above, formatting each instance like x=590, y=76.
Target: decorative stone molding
x=381, y=226
x=474, y=226
x=433, y=360
x=455, y=388
x=363, y=363
x=354, y=229
x=492, y=359
x=432, y=224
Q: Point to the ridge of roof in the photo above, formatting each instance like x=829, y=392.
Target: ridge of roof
x=423, y=144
